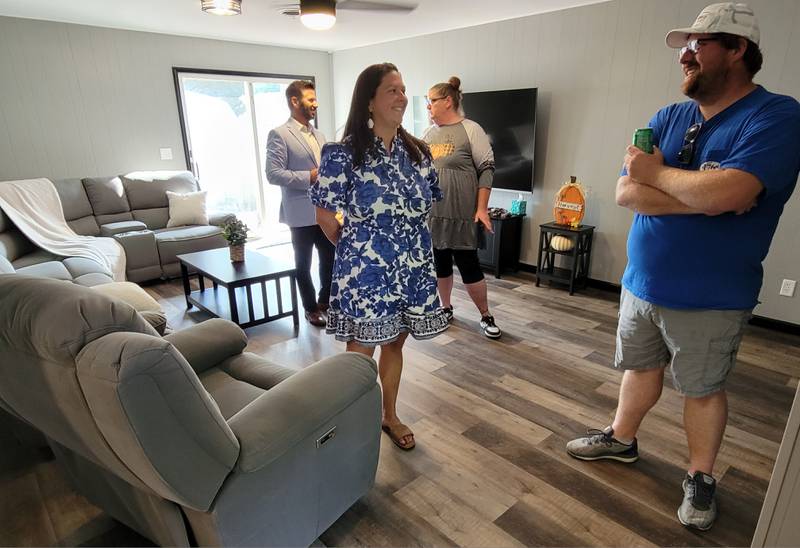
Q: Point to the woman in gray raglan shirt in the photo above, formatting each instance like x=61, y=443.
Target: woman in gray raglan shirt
x=465, y=163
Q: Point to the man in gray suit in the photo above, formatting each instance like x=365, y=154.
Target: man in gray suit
x=293, y=155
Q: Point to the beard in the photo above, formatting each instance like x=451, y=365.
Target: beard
x=691, y=84
x=308, y=112
x=703, y=84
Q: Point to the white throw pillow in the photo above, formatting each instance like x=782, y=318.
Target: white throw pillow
x=187, y=209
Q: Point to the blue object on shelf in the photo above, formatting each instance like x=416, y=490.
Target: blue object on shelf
x=519, y=207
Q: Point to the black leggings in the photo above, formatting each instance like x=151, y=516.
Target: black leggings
x=466, y=261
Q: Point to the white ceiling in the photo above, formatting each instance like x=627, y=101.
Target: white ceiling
x=260, y=22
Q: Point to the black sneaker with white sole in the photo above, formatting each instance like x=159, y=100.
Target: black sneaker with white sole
x=448, y=312
x=490, y=329
x=601, y=444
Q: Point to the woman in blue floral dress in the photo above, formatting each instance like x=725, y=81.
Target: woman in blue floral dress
x=384, y=281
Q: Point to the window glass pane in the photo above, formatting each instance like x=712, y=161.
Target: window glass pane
x=222, y=143
x=271, y=112
x=422, y=120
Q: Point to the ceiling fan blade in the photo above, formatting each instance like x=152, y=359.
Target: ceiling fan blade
x=366, y=5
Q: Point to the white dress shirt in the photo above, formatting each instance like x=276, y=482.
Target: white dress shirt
x=310, y=139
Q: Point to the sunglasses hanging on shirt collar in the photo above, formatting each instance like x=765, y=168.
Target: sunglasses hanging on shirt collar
x=686, y=154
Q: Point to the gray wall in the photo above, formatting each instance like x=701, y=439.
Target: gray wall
x=79, y=101
x=602, y=71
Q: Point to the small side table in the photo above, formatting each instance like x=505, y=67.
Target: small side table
x=579, y=255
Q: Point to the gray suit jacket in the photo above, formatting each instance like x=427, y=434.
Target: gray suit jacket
x=289, y=164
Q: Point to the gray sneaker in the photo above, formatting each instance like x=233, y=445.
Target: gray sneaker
x=699, y=507
x=600, y=444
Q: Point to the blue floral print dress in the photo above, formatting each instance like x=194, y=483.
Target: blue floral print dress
x=384, y=281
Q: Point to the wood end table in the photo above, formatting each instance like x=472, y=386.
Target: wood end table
x=254, y=292
x=577, y=271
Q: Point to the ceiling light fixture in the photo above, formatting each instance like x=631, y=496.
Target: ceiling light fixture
x=222, y=7
x=318, y=14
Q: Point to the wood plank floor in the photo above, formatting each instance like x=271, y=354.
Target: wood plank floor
x=491, y=419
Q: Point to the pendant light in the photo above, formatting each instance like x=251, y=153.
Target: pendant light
x=318, y=14
x=222, y=7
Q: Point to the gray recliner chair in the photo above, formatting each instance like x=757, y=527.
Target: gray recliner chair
x=186, y=438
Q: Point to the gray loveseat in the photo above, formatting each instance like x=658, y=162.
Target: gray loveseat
x=186, y=438
x=133, y=209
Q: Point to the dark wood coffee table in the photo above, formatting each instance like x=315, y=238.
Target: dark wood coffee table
x=253, y=288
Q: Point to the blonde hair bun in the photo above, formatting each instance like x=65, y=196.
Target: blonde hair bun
x=455, y=81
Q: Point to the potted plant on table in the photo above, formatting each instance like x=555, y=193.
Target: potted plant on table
x=235, y=232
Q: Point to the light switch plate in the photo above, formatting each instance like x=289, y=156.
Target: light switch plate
x=166, y=153
x=787, y=288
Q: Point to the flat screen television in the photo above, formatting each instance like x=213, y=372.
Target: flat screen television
x=509, y=119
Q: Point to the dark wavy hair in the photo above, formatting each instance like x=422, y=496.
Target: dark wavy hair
x=358, y=133
x=752, y=58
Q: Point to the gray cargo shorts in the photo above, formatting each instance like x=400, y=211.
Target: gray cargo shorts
x=700, y=346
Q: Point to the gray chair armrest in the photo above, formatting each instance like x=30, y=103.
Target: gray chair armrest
x=276, y=421
x=208, y=343
x=140, y=248
x=157, y=320
x=5, y=266
x=112, y=229
x=220, y=218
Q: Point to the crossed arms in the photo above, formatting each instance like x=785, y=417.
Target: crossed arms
x=652, y=188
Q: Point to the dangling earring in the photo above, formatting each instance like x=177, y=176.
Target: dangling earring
x=370, y=123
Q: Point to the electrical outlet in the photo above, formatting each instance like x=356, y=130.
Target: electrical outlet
x=787, y=288
x=166, y=153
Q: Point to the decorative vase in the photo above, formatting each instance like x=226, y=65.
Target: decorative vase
x=237, y=253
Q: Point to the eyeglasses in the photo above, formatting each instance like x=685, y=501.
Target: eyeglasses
x=431, y=100
x=695, y=45
x=686, y=154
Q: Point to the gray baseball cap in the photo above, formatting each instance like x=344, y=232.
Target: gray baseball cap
x=728, y=17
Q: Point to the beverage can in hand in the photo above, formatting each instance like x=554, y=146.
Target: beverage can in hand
x=643, y=139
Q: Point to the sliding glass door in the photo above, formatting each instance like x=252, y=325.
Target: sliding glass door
x=226, y=118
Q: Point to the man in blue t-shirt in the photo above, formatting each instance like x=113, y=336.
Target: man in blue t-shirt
x=707, y=203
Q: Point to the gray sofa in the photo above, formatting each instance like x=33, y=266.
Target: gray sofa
x=19, y=254
x=186, y=438
x=133, y=209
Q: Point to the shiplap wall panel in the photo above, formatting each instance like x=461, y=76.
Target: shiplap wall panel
x=13, y=96
x=83, y=101
x=602, y=71
x=82, y=153
x=9, y=155
x=790, y=72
